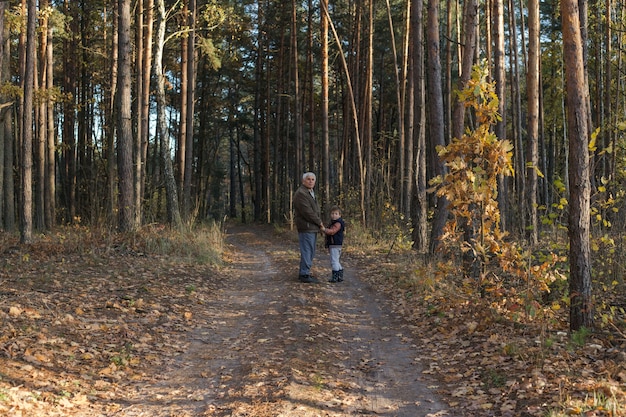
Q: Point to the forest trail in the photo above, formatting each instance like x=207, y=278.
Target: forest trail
x=272, y=346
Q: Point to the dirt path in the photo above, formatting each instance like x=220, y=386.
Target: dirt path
x=273, y=346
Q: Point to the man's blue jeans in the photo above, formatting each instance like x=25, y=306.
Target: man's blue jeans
x=308, y=241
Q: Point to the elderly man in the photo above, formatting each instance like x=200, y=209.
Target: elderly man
x=308, y=223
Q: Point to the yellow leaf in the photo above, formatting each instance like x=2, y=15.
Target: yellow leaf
x=15, y=311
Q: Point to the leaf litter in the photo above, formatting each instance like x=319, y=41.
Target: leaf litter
x=128, y=333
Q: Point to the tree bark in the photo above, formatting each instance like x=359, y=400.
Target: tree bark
x=532, y=142
x=50, y=186
x=173, y=211
x=127, y=220
x=26, y=166
x=324, y=109
x=6, y=128
x=191, y=94
x=435, y=117
x=110, y=112
x=500, y=79
x=581, y=310
x=140, y=70
x=182, y=120
x=434, y=93
x=41, y=128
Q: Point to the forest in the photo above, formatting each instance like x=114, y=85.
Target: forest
x=498, y=125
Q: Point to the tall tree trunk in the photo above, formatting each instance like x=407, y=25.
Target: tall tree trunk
x=607, y=108
x=41, y=130
x=232, y=169
x=8, y=188
x=500, y=79
x=532, y=143
x=110, y=111
x=435, y=115
x=297, y=109
x=127, y=219
x=259, y=127
x=191, y=94
x=402, y=198
x=324, y=109
x=409, y=104
x=26, y=166
x=140, y=70
x=50, y=193
x=309, y=101
x=581, y=309
x=516, y=106
x=173, y=211
x=182, y=120
x=447, y=92
x=419, y=209
x=367, y=141
x=6, y=128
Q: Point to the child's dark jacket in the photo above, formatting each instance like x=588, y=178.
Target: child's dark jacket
x=334, y=233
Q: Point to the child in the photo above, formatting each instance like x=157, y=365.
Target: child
x=334, y=242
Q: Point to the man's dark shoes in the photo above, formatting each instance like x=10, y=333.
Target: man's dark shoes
x=310, y=279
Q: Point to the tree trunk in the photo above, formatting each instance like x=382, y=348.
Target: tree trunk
x=140, y=70
x=41, y=128
x=191, y=94
x=435, y=117
x=401, y=149
x=297, y=109
x=173, y=211
x=532, y=93
x=124, y=123
x=50, y=193
x=182, y=120
x=516, y=109
x=6, y=128
x=324, y=109
x=367, y=141
x=143, y=53
x=500, y=79
x=581, y=310
x=110, y=112
x=26, y=166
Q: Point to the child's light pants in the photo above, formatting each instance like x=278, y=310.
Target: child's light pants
x=335, y=254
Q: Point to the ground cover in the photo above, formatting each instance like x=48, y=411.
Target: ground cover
x=104, y=326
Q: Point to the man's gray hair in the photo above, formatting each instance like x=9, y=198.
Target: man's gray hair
x=307, y=175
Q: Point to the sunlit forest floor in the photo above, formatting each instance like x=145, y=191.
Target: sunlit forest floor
x=96, y=324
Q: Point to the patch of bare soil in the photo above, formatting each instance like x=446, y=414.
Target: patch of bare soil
x=133, y=335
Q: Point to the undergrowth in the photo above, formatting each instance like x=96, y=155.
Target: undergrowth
x=202, y=244
x=484, y=279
